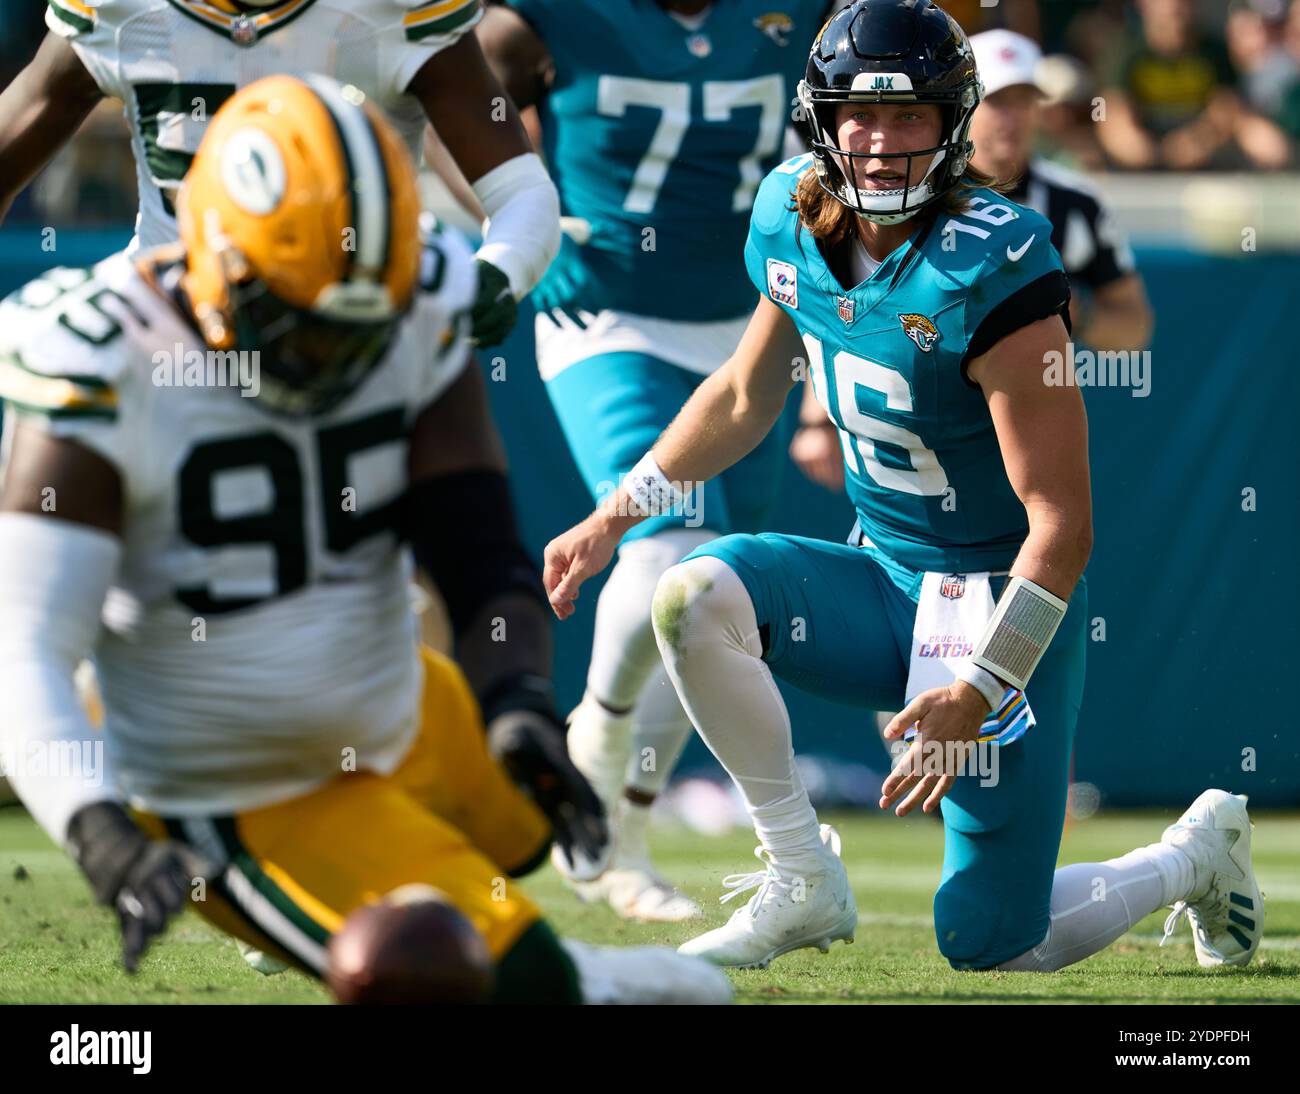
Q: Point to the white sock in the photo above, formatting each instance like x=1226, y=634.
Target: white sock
x=1094, y=903
x=633, y=823
x=708, y=635
x=660, y=730
x=623, y=651
x=599, y=743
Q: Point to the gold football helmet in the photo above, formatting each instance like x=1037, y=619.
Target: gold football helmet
x=299, y=219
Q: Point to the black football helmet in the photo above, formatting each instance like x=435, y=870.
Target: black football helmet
x=891, y=51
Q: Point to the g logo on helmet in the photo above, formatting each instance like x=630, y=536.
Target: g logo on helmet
x=253, y=171
x=920, y=330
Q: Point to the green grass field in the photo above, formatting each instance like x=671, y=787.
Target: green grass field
x=56, y=947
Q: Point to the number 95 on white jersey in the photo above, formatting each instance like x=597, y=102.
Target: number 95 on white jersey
x=260, y=620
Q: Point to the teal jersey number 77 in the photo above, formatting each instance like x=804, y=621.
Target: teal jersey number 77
x=658, y=136
x=721, y=99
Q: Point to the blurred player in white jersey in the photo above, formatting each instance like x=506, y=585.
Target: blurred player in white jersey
x=172, y=63
x=239, y=433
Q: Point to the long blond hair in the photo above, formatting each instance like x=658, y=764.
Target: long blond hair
x=830, y=222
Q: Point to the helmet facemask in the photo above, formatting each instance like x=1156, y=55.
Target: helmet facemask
x=836, y=167
x=307, y=363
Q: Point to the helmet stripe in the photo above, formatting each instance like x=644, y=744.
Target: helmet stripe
x=368, y=181
x=385, y=237
x=350, y=187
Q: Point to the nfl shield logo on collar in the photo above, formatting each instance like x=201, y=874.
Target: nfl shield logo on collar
x=845, y=306
x=243, y=31
x=954, y=585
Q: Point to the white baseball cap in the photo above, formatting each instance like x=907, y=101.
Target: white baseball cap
x=1005, y=59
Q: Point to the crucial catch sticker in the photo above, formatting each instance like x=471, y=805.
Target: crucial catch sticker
x=783, y=282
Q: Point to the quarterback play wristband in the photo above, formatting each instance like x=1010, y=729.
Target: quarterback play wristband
x=649, y=488
x=982, y=681
x=1017, y=636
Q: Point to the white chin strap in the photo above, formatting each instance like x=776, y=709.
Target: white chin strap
x=884, y=206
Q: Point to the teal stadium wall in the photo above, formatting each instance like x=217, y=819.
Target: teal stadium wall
x=1200, y=599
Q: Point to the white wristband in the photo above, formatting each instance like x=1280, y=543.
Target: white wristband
x=982, y=681
x=649, y=488
x=1017, y=636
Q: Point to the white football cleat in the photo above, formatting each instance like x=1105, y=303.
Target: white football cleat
x=259, y=961
x=631, y=885
x=635, y=890
x=1226, y=908
x=645, y=974
x=787, y=913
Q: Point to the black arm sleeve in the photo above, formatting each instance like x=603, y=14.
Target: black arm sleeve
x=1048, y=295
x=463, y=534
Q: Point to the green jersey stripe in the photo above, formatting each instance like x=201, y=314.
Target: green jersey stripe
x=279, y=899
x=444, y=25
x=61, y=414
x=91, y=383
x=79, y=23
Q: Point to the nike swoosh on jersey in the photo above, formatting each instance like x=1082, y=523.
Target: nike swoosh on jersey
x=1017, y=255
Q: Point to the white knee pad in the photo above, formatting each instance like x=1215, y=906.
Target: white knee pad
x=700, y=603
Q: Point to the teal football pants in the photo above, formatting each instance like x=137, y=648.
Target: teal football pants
x=612, y=408
x=837, y=621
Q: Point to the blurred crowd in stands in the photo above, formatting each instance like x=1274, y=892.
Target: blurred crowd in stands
x=1143, y=85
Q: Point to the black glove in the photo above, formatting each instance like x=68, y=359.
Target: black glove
x=495, y=308
x=527, y=738
x=145, y=881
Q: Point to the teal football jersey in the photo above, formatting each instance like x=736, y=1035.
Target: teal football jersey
x=924, y=469
x=657, y=138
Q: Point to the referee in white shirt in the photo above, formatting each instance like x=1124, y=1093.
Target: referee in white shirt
x=1109, y=309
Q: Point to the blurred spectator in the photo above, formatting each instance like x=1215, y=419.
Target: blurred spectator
x=973, y=16
x=1171, y=100
x=1088, y=29
x=1289, y=111
x=1108, y=306
x=1255, y=43
x=1068, y=133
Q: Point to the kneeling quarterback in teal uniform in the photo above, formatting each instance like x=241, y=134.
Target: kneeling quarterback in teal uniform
x=929, y=311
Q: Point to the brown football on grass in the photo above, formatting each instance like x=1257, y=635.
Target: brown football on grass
x=413, y=947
